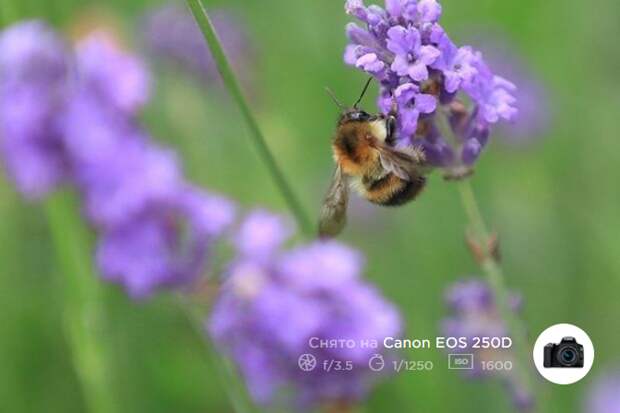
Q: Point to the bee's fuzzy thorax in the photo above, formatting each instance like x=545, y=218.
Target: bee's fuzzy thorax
x=357, y=162
x=353, y=147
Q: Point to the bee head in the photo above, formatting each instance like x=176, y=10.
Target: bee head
x=353, y=114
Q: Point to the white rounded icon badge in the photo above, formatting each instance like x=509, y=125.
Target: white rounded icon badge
x=563, y=354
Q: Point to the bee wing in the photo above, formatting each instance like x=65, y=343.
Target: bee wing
x=405, y=164
x=333, y=215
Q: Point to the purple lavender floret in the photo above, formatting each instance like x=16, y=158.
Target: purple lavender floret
x=261, y=235
x=411, y=58
x=172, y=35
x=491, y=93
x=456, y=64
x=422, y=72
x=412, y=103
x=535, y=114
x=118, y=171
x=120, y=184
x=32, y=53
x=34, y=66
x=475, y=315
x=604, y=395
x=269, y=309
x=166, y=245
x=118, y=79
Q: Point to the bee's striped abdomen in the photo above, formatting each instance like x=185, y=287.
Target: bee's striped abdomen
x=391, y=190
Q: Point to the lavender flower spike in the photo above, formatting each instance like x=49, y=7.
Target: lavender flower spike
x=33, y=88
x=535, y=115
x=417, y=65
x=156, y=230
x=475, y=314
x=269, y=310
x=165, y=246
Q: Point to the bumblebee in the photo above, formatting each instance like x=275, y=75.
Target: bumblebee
x=368, y=162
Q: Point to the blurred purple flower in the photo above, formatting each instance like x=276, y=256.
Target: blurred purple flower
x=156, y=230
x=492, y=94
x=604, y=396
x=33, y=87
x=118, y=79
x=534, y=118
x=91, y=130
x=404, y=46
x=172, y=35
x=268, y=310
x=133, y=176
x=261, y=235
x=166, y=245
x=118, y=171
x=475, y=314
x=32, y=54
x=456, y=64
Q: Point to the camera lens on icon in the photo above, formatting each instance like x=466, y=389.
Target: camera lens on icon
x=563, y=361
x=567, y=353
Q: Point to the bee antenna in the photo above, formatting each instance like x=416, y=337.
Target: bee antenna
x=363, y=93
x=335, y=99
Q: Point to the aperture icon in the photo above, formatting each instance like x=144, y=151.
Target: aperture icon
x=306, y=362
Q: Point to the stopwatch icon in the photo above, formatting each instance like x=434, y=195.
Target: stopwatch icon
x=376, y=363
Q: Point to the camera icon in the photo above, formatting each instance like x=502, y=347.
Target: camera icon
x=567, y=361
x=568, y=353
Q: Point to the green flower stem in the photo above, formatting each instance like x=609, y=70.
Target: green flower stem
x=487, y=259
x=232, y=384
x=83, y=315
x=493, y=271
x=231, y=83
x=230, y=381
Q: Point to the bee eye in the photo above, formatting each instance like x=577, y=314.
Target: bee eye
x=359, y=116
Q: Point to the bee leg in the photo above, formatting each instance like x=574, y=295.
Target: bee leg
x=391, y=124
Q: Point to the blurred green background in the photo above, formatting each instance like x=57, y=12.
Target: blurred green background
x=555, y=203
